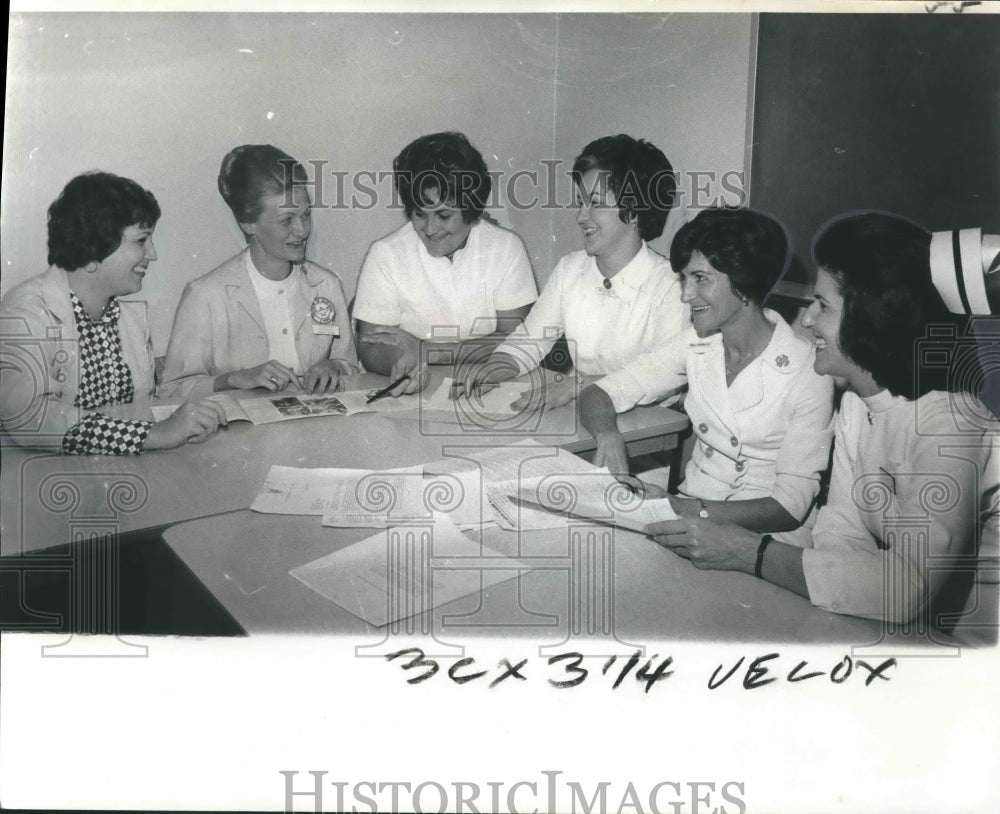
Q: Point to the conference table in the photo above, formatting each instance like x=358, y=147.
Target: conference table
x=56, y=511
x=47, y=499
x=583, y=581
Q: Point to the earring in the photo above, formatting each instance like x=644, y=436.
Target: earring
x=745, y=298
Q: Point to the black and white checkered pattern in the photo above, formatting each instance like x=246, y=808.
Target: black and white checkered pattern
x=104, y=379
x=104, y=376
x=105, y=436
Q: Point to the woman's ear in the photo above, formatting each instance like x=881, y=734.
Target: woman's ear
x=248, y=228
x=92, y=266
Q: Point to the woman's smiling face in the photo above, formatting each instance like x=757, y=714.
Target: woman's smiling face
x=122, y=271
x=823, y=318
x=598, y=215
x=283, y=227
x=710, y=294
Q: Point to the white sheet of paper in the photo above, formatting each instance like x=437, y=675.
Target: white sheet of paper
x=596, y=496
x=370, y=499
x=505, y=469
x=494, y=402
x=522, y=460
x=491, y=409
x=457, y=495
x=294, y=490
x=405, y=571
x=511, y=516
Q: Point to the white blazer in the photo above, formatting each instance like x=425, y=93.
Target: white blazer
x=766, y=435
x=40, y=353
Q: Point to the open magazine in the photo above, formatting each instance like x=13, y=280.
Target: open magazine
x=285, y=407
x=436, y=405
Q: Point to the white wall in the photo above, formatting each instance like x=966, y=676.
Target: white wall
x=162, y=97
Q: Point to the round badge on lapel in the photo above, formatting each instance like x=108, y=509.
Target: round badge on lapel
x=322, y=311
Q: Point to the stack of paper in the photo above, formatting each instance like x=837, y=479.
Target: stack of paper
x=595, y=497
x=362, y=498
x=422, y=559
x=406, y=572
x=505, y=469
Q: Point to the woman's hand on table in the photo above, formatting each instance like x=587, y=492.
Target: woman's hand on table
x=551, y=394
x=708, y=545
x=191, y=423
x=478, y=374
x=324, y=376
x=271, y=375
x=611, y=453
x=652, y=491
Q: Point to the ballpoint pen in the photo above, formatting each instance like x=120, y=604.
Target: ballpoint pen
x=385, y=390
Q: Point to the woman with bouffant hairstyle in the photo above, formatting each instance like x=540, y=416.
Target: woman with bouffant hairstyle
x=267, y=317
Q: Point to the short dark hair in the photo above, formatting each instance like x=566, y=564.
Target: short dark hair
x=639, y=175
x=88, y=218
x=448, y=163
x=881, y=264
x=750, y=247
x=252, y=172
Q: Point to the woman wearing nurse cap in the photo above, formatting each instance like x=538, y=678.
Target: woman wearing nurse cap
x=914, y=496
x=965, y=266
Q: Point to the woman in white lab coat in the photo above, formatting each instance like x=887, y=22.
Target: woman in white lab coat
x=615, y=298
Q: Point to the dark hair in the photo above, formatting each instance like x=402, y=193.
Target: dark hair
x=891, y=311
x=252, y=172
x=88, y=218
x=639, y=175
x=750, y=247
x=446, y=162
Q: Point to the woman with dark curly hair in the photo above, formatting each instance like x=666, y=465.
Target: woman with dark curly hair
x=267, y=317
x=760, y=413
x=913, y=494
x=614, y=299
x=446, y=276
x=77, y=362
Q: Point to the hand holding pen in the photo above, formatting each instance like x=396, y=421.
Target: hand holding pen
x=407, y=376
x=479, y=376
x=385, y=391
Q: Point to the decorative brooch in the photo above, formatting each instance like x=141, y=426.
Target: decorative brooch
x=322, y=311
x=781, y=361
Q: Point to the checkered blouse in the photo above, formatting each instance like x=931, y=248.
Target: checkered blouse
x=104, y=379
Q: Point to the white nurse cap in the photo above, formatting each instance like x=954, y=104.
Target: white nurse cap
x=964, y=267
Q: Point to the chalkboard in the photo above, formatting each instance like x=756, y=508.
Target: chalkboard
x=899, y=112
